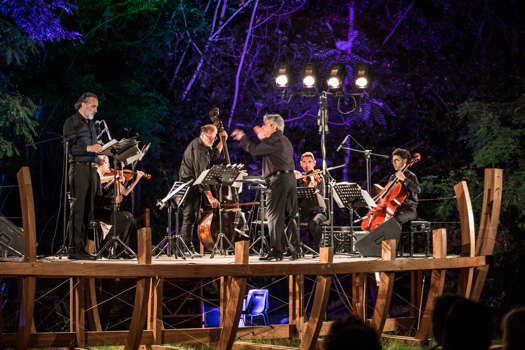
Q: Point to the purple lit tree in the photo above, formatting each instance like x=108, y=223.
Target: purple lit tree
x=39, y=19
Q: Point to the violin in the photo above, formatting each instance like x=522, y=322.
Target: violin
x=128, y=174
x=391, y=198
x=313, y=179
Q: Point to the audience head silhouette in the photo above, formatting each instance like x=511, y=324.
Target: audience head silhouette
x=459, y=323
x=513, y=328
x=354, y=334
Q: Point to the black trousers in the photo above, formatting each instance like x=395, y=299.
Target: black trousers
x=314, y=217
x=405, y=214
x=282, y=208
x=82, y=186
x=125, y=224
x=190, y=213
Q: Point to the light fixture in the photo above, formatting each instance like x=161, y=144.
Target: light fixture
x=335, y=78
x=361, y=77
x=281, y=78
x=309, y=76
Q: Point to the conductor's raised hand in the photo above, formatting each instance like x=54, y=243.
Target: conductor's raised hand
x=237, y=134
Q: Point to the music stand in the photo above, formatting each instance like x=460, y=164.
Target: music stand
x=349, y=195
x=174, y=242
x=311, y=197
x=122, y=152
x=222, y=175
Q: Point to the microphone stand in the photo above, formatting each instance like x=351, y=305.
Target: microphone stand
x=66, y=195
x=367, y=153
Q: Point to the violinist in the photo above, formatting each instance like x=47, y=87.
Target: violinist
x=198, y=157
x=124, y=220
x=313, y=214
x=407, y=211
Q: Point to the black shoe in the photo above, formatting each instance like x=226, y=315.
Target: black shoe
x=80, y=255
x=271, y=256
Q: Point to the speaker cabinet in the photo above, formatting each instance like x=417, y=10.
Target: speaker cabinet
x=11, y=239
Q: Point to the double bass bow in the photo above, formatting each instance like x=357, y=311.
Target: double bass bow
x=388, y=200
x=209, y=225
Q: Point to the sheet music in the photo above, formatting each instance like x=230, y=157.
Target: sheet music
x=368, y=199
x=109, y=144
x=201, y=177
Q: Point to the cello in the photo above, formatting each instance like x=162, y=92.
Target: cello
x=232, y=220
x=392, y=196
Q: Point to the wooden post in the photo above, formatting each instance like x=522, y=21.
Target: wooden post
x=488, y=227
x=27, y=204
x=78, y=309
x=296, y=303
x=386, y=285
x=92, y=305
x=155, y=323
x=468, y=237
x=140, y=307
x=236, y=291
x=322, y=291
x=359, y=295
x=437, y=283
x=28, y=284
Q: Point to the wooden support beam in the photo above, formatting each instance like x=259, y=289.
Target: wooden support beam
x=25, y=318
x=386, y=286
x=437, y=283
x=488, y=227
x=155, y=323
x=27, y=204
x=28, y=283
x=92, y=306
x=78, y=309
x=296, y=302
x=468, y=237
x=359, y=295
x=142, y=289
x=236, y=292
x=322, y=291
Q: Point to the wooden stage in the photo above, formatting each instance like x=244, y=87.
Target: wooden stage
x=147, y=328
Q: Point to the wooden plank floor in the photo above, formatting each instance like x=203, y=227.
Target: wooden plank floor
x=224, y=266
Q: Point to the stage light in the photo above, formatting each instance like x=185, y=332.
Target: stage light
x=335, y=79
x=281, y=78
x=308, y=76
x=361, y=77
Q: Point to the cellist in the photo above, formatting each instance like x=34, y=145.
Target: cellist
x=198, y=157
x=407, y=211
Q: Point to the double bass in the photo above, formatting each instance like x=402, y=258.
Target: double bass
x=232, y=219
x=392, y=196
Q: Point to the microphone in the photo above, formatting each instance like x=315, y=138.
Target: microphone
x=342, y=143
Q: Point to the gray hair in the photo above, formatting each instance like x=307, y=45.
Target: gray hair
x=275, y=119
x=84, y=98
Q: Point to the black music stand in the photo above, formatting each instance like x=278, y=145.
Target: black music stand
x=173, y=244
x=123, y=152
x=260, y=186
x=349, y=195
x=221, y=175
x=309, y=196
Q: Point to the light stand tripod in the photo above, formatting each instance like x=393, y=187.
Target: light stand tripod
x=173, y=244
